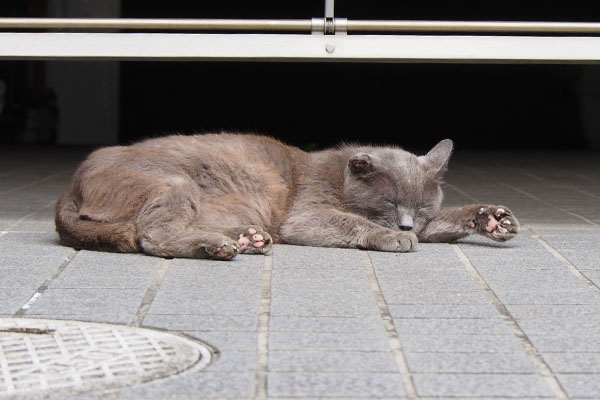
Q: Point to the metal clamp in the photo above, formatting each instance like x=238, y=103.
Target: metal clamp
x=329, y=25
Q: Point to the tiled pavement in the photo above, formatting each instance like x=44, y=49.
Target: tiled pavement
x=469, y=320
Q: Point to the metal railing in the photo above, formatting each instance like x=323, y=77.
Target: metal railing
x=300, y=25
x=317, y=39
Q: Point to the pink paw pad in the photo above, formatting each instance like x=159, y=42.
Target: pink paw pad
x=252, y=239
x=492, y=224
x=243, y=241
x=259, y=240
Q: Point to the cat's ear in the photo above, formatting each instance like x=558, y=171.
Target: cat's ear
x=440, y=154
x=360, y=164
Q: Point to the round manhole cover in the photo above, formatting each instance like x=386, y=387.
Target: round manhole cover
x=63, y=357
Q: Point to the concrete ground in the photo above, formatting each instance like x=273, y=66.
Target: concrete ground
x=474, y=319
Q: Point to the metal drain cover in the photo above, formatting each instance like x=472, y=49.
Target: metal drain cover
x=40, y=356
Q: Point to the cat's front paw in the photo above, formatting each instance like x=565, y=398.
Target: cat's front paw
x=496, y=222
x=219, y=249
x=395, y=241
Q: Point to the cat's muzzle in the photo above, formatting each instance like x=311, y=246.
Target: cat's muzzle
x=406, y=223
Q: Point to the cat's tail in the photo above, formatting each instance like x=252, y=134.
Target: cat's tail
x=81, y=232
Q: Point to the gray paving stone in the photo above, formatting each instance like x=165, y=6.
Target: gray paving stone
x=232, y=341
x=114, y=317
x=41, y=220
x=541, y=311
x=335, y=385
x=561, y=229
x=186, y=302
x=451, y=363
x=522, y=245
x=328, y=341
x=593, y=276
x=320, y=279
x=11, y=300
x=320, y=282
x=437, y=298
x=92, y=269
x=529, y=285
x=444, y=311
x=204, y=385
x=28, y=259
x=394, y=264
x=566, y=342
x=87, y=301
x=444, y=343
x=570, y=363
x=550, y=275
x=324, y=361
x=325, y=324
x=540, y=260
x=577, y=249
x=84, y=396
x=189, y=322
x=557, y=325
x=581, y=386
x=400, y=286
x=316, y=258
x=423, y=275
x=233, y=361
x=481, y=386
x=452, y=326
x=548, y=296
x=328, y=304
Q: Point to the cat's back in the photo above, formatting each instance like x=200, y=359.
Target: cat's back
x=187, y=153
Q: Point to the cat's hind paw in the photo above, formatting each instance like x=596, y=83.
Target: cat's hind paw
x=497, y=222
x=254, y=240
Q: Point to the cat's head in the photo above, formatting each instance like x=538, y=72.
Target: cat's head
x=395, y=188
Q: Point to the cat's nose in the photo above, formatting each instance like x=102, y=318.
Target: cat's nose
x=406, y=223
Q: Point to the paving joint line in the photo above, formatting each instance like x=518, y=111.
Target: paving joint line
x=570, y=266
x=544, y=369
x=262, y=345
x=150, y=294
x=586, y=193
x=390, y=327
x=44, y=286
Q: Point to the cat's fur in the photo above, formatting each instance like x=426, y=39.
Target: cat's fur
x=213, y=196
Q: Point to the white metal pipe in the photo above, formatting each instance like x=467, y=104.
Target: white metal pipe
x=474, y=27
x=300, y=25
x=289, y=47
x=292, y=25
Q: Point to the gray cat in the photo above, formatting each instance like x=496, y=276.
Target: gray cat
x=214, y=196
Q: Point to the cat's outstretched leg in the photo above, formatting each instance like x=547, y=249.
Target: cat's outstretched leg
x=496, y=222
x=188, y=244
x=198, y=241
x=334, y=228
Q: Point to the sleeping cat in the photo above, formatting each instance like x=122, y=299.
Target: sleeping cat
x=217, y=195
